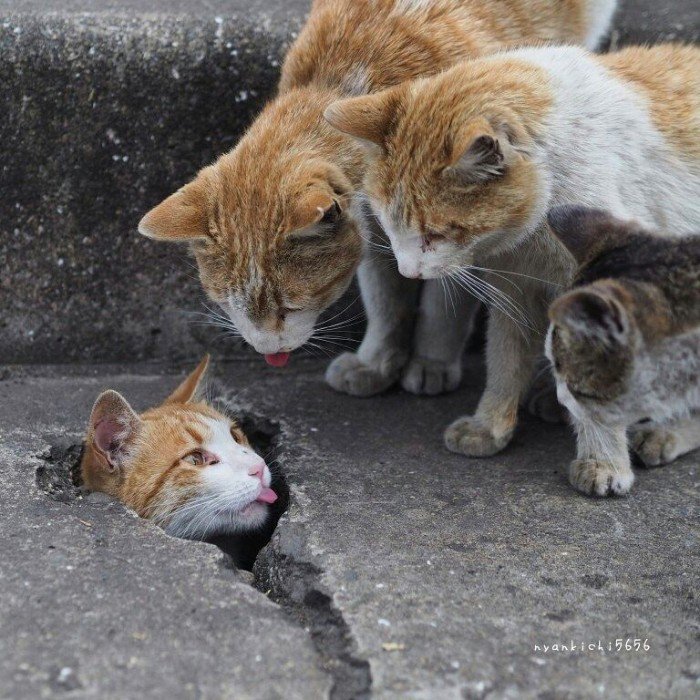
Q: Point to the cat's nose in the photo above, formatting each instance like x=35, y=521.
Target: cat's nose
x=257, y=471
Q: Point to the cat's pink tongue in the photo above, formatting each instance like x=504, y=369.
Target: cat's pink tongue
x=278, y=359
x=267, y=496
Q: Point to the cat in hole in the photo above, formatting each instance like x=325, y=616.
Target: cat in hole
x=187, y=467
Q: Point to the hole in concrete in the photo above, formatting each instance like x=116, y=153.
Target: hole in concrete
x=59, y=476
x=266, y=438
x=294, y=585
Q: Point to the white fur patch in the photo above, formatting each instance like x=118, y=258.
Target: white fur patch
x=226, y=500
x=599, y=14
x=297, y=329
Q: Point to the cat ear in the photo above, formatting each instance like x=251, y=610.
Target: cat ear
x=481, y=160
x=113, y=428
x=181, y=217
x=310, y=210
x=368, y=119
x=188, y=389
x=319, y=206
x=584, y=231
x=594, y=313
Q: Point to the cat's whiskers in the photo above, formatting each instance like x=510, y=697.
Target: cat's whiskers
x=341, y=324
x=206, y=508
x=502, y=301
x=216, y=322
x=499, y=273
x=492, y=296
x=376, y=245
x=342, y=311
x=327, y=333
x=452, y=291
x=341, y=342
x=311, y=345
x=500, y=295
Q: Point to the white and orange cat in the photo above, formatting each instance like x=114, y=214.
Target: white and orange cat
x=184, y=465
x=278, y=225
x=465, y=166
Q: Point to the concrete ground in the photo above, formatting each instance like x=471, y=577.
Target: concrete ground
x=400, y=570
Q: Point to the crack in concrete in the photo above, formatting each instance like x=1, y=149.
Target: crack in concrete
x=291, y=583
x=296, y=586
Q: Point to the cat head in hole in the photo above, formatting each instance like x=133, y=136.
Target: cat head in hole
x=182, y=464
x=593, y=332
x=270, y=225
x=453, y=174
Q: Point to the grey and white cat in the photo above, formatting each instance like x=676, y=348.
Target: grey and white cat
x=624, y=344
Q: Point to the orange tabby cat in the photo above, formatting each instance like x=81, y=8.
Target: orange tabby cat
x=277, y=225
x=183, y=465
x=466, y=164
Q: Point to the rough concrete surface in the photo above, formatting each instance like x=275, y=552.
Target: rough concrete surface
x=401, y=570
x=418, y=573
x=97, y=603
x=105, y=114
x=108, y=107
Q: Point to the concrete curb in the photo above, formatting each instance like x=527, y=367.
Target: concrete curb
x=104, y=113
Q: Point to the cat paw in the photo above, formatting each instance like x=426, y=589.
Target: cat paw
x=431, y=377
x=471, y=437
x=655, y=446
x=596, y=478
x=349, y=375
x=543, y=404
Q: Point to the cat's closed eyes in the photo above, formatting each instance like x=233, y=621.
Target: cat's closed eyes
x=182, y=464
x=624, y=345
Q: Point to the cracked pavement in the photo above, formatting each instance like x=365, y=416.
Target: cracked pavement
x=405, y=570
x=401, y=570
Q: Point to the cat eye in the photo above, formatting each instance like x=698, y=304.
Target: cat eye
x=196, y=458
x=432, y=236
x=284, y=311
x=200, y=458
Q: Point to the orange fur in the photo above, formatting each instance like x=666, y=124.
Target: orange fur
x=458, y=158
x=153, y=472
x=508, y=98
x=254, y=200
x=674, y=104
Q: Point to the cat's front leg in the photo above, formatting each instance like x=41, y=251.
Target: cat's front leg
x=541, y=399
x=602, y=464
x=658, y=444
x=444, y=323
x=390, y=305
x=510, y=357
